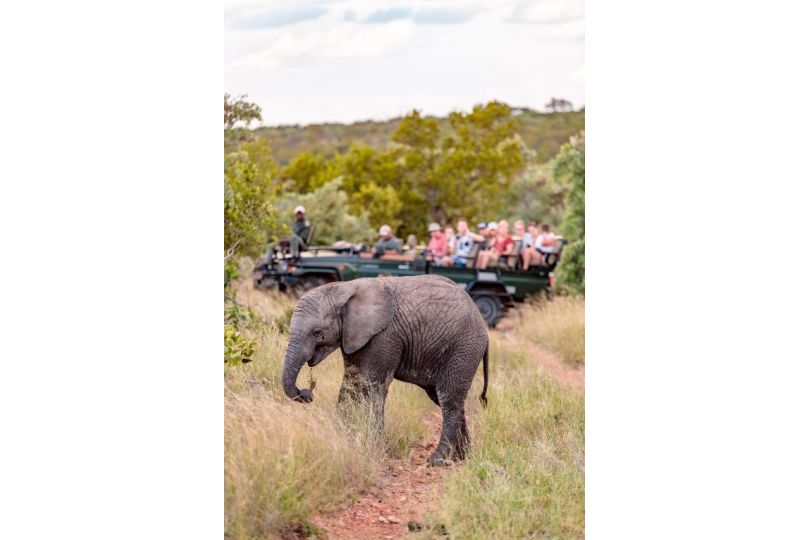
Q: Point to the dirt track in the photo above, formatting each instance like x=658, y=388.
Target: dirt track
x=409, y=489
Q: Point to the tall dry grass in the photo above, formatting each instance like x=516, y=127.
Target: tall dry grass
x=285, y=460
x=557, y=326
x=525, y=475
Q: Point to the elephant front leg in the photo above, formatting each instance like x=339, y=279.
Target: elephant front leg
x=379, y=392
x=354, y=388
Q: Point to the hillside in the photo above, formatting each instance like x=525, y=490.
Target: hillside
x=544, y=133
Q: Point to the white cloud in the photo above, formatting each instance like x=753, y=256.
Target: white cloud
x=569, y=31
x=548, y=11
x=335, y=67
x=343, y=39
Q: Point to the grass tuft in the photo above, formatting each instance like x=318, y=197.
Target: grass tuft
x=557, y=326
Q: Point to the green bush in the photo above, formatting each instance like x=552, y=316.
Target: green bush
x=568, y=168
x=238, y=349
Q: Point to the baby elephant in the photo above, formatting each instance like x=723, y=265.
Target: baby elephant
x=423, y=330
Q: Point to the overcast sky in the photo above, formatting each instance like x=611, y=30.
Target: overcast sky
x=316, y=61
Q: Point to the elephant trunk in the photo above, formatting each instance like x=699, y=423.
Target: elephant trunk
x=293, y=362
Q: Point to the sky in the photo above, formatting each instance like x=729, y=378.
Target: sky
x=346, y=60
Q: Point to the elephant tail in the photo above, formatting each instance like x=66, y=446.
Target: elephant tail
x=483, y=399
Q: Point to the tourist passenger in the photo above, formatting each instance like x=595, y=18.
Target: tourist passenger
x=449, y=234
x=501, y=245
x=530, y=255
x=519, y=240
x=387, y=242
x=411, y=244
x=548, y=241
x=437, y=248
x=465, y=242
x=519, y=232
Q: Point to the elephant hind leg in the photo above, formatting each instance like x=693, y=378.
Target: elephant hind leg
x=454, y=436
x=462, y=442
x=433, y=394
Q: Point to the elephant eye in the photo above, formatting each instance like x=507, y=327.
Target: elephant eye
x=317, y=332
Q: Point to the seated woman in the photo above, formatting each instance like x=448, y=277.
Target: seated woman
x=548, y=241
x=452, y=241
x=530, y=256
x=501, y=245
x=437, y=248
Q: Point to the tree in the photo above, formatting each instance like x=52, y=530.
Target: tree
x=307, y=172
x=250, y=190
x=536, y=196
x=468, y=172
x=238, y=109
x=568, y=168
x=559, y=105
x=382, y=205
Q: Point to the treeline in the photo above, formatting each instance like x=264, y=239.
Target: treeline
x=543, y=133
x=476, y=165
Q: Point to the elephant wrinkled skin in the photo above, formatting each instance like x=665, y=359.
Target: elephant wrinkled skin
x=424, y=330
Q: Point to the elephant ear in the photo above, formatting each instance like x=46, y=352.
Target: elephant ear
x=367, y=312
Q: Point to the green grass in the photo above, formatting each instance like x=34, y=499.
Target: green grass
x=525, y=475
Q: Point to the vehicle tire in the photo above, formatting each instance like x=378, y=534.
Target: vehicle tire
x=491, y=309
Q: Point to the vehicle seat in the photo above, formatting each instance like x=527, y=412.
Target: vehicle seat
x=310, y=236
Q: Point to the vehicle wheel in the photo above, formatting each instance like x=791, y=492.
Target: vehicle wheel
x=491, y=309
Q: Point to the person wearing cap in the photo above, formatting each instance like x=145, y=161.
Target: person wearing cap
x=387, y=242
x=300, y=232
x=437, y=248
x=301, y=225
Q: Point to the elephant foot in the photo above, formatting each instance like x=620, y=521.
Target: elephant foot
x=438, y=460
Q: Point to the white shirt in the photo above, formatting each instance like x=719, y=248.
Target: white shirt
x=546, y=249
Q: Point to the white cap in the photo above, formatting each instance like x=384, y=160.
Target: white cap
x=300, y=209
x=384, y=230
x=433, y=227
x=492, y=225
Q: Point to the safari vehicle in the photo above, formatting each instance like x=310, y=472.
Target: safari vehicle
x=494, y=290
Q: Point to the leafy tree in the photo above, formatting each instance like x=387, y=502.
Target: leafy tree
x=307, y=172
x=238, y=109
x=559, y=105
x=381, y=203
x=536, y=196
x=568, y=168
x=249, y=212
x=326, y=209
x=467, y=173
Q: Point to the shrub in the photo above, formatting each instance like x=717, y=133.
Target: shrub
x=238, y=349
